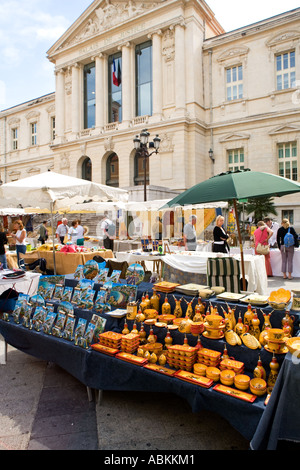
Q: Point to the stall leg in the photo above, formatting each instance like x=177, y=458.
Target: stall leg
x=89, y=392
x=3, y=350
x=99, y=395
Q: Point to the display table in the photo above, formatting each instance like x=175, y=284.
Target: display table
x=255, y=421
x=66, y=263
x=143, y=259
x=196, y=262
x=26, y=285
x=275, y=258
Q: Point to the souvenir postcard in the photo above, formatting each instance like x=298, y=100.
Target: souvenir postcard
x=115, y=276
x=101, y=298
x=99, y=323
x=27, y=315
x=21, y=307
x=87, y=299
x=85, y=284
x=89, y=334
x=49, y=307
x=54, y=279
x=78, y=275
x=102, y=276
x=58, y=292
x=39, y=318
x=46, y=289
x=69, y=328
x=121, y=294
x=66, y=307
x=76, y=295
x=80, y=329
x=49, y=322
x=57, y=329
x=67, y=295
x=37, y=300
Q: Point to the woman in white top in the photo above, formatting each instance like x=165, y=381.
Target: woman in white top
x=19, y=238
x=73, y=233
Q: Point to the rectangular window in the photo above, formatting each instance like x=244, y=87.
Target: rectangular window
x=143, y=67
x=288, y=214
x=89, y=96
x=234, y=83
x=285, y=70
x=115, y=88
x=33, y=133
x=288, y=160
x=236, y=159
x=14, y=136
x=53, y=128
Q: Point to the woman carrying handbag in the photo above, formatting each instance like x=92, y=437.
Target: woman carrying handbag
x=261, y=238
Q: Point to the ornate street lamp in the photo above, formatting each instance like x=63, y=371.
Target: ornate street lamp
x=142, y=146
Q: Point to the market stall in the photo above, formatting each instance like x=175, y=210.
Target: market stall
x=54, y=192
x=195, y=263
x=105, y=367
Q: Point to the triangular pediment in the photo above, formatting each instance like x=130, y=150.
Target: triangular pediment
x=99, y=17
x=234, y=136
x=285, y=129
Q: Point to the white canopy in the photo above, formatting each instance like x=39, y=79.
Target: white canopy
x=43, y=189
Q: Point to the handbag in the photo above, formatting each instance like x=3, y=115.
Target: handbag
x=262, y=249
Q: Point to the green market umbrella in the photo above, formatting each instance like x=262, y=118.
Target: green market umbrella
x=236, y=186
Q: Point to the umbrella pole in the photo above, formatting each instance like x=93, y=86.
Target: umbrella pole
x=241, y=244
x=53, y=235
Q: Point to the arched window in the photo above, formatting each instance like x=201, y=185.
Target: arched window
x=86, y=169
x=112, y=170
x=139, y=170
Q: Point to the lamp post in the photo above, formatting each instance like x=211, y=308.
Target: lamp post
x=142, y=148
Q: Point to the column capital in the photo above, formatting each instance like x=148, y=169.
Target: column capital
x=158, y=32
x=124, y=44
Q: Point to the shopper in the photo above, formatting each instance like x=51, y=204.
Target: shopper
x=62, y=230
x=261, y=239
x=3, y=241
x=189, y=234
x=73, y=233
x=19, y=237
x=221, y=237
x=274, y=226
x=43, y=232
x=287, y=252
x=109, y=232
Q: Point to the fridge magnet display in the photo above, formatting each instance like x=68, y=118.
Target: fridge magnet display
x=49, y=322
x=69, y=328
x=90, y=269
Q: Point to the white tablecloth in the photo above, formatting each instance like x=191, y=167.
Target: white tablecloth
x=195, y=262
x=275, y=257
x=26, y=285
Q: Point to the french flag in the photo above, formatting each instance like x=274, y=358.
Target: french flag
x=116, y=75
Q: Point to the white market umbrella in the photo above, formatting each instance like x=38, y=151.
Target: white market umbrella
x=48, y=189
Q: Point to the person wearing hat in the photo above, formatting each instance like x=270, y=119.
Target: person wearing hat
x=189, y=234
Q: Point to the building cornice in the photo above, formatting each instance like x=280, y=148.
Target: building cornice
x=253, y=29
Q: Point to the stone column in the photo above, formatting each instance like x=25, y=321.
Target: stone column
x=180, y=82
x=76, y=121
x=157, y=82
x=127, y=74
x=100, y=90
x=60, y=105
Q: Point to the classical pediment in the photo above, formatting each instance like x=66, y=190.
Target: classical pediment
x=235, y=136
x=284, y=37
x=285, y=129
x=100, y=17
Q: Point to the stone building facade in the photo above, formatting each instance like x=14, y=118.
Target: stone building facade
x=167, y=66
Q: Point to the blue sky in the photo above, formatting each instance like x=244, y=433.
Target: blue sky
x=28, y=29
